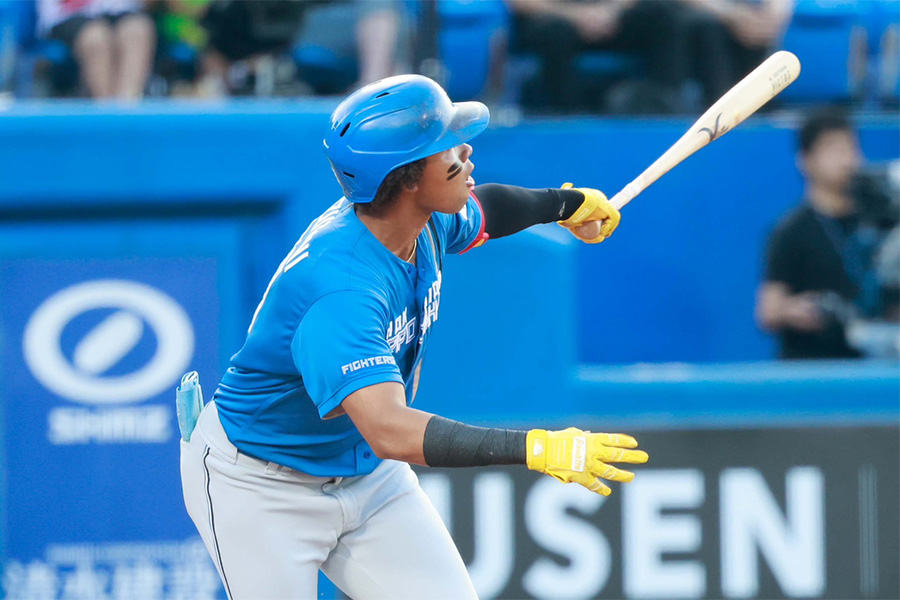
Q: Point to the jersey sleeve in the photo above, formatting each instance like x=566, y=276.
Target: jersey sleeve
x=340, y=347
x=462, y=231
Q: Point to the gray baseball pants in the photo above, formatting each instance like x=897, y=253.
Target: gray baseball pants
x=269, y=529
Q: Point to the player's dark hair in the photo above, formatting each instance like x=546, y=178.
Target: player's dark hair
x=819, y=123
x=404, y=176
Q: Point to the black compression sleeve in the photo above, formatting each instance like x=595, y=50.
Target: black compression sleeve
x=509, y=209
x=454, y=444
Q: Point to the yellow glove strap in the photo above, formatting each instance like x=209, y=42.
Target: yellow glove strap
x=549, y=452
x=587, y=208
x=595, y=207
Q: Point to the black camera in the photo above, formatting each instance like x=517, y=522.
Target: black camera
x=876, y=190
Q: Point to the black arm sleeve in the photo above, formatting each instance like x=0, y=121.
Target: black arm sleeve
x=453, y=444
x=509, y=209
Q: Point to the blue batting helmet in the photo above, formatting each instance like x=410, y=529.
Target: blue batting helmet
x=391, y=123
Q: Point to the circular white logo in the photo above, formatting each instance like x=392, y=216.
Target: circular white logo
x=107, y=343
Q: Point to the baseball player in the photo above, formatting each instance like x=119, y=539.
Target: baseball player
x=300, y=461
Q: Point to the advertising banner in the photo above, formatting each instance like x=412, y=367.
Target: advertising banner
x=93, y=344
x=755, y=513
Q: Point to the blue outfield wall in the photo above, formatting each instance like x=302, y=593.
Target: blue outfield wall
x=125, y=228
x=679, y=276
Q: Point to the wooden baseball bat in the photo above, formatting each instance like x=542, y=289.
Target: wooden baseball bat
x=764, y=83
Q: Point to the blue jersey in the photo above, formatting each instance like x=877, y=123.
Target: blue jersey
x=341, y=313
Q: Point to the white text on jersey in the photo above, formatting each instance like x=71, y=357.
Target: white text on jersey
x=401, y=331
x=431, y=305
x=301, y=248
x=300, y=251
x=356, y=365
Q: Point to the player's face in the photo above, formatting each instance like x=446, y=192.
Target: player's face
x=447, y=180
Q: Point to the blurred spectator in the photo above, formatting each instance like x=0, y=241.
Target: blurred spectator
x=113, y=42
x=244, y=35
x=183, y=39
x=732, y=37
x=821, y=278
x=368, y=55
x=558, y=30
x=242, y=42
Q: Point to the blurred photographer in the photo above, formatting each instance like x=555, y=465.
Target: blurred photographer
x=824, y=294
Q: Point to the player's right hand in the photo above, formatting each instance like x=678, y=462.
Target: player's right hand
x=595, y=219
x=576, y=456
x=803, y=313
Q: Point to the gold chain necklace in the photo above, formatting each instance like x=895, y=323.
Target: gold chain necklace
x=413, y=253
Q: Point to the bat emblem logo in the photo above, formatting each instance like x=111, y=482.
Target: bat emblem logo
x=715, y=131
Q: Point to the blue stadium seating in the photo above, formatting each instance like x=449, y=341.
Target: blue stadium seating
x=8, y=44
x=828, y=37
x=606, y=65
x=849, y=50
x=472, y=48
x=592, y=65
x=326, y=71
x=34, y=50
x=882, y=23
x=31, y=48
x=323, y=69
x=469, y=35
x=470, y=38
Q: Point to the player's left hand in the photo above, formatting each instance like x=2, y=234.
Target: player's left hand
x=582, y=457
x=595, y=219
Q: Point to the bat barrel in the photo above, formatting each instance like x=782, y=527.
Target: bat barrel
x=764, y=83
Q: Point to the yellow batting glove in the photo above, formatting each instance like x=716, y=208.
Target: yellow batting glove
x=594, y=208
x=576, y=456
